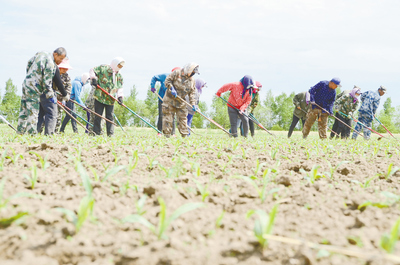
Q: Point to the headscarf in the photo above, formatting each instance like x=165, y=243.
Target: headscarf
x=200, y=83
x=114, y=66
x=356, y=90
x=247, y=82
x=258, y=87
x=189, y=68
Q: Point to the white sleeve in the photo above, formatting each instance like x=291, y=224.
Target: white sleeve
x=92, y=74
x=120, y=92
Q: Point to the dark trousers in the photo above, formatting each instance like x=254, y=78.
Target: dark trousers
x=160, y=117
x=234, y=118
x=294, y=123
x=71, y=106
x=251, y=126
x=47, y=114
x=341, y=129
x=99, y=108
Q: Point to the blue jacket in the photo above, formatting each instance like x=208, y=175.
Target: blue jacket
x=323, y=96
x=370, y=103
x=159, y=78
x=76, y=90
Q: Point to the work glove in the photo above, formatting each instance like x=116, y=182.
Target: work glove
x=173, y=91
x=195, y=108
x=53, y=100
x=120, y=101
x=66, y=98
x=93, y=81
x=153, y=90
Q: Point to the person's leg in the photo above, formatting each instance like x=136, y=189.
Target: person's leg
x=173, y=124
x=357, y=128
x=189, y=121
x=367, y=121
x=59, y=119
x=50, y=110
x=66, y=119
x=28, y=114
x=98, y=108
x=40, y=124
x=295, y=120
x=233, y=119
x=110, y=116
x=251, y=125
x=335, y=126
x=347, y=129
x=167, y=119
x=71, y=105
x=323, y=125
x=240, y=125
x=312, y=115
x=245, y=122
x=87, y=124
x=160, y=116
x=181, y=115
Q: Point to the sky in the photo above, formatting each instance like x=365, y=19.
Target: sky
x=287, y=45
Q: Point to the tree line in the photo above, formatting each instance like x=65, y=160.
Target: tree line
x=274, y=112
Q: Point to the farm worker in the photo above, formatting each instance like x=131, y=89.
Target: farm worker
x=76, y=91
x=62, y=74
x=240, y=98
x=369, y=104
x=179, y=83
x=37, y=89
x=323, y=94
x=110, y=79
x=199, y=84
x=161, y=92
x=336, y=122
x=299, y=112
x=346, y=103
x=254, y=103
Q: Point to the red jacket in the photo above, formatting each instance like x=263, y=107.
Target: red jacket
x=235, y=98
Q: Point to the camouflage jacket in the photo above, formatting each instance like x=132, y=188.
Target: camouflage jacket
x=254, y=102
x=104, y=75
x=370, y=103
x=184, y=86
x=300, y=101
x=66, y=80
x=345, y=104
x=39, y=74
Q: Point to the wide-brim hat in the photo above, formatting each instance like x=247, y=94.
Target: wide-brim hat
x=65, y=64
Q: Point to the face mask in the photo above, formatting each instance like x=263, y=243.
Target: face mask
x=192, y=74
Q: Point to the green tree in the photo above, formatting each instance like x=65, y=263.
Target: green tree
x=282, y=109
x=386, y=117
x=10, y=103
x=198, y=120
x=219, y=112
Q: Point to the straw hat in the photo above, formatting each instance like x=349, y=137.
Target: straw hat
x=65, y=64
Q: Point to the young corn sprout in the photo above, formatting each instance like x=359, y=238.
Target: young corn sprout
x=367, y=182
x=388, y=241
x=332, y=169
x=164, y=220
x=34, y=176
x=202, y=189
x=264, y=224
x=391, y=171
x=43, y=161
x=313, y=175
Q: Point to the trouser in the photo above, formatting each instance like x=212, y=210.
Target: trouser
x=99, y=108
x=28, y=113
x=90, y=121
x=335, y=125
x=160, y=119
x=234, y=117
x=47, y=114
x=367, y=121
x=295, y=120
x=189, y=121
x=168, y=120
x=312, y=115
x=58, y=122
x=341, y=129
x=71, y=106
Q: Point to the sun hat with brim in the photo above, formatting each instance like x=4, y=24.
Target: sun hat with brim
x=65, y=64
x=336, y=80
x=382, y=88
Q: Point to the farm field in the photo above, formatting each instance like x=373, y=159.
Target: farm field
x=137, y=198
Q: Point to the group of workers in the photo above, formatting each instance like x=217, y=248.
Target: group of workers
x=47, y=90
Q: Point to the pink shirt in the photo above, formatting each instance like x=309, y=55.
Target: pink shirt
x=235, y=98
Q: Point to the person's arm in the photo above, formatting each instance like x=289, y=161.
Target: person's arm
x=297, y=100
x=154, y=80
x=313, y=90
x=192, y=93
x=331, y=102
x=30, y=62
x=120, y=91
x=246, y=103
x=375, y=105
x=58, y=82
x=224, y=88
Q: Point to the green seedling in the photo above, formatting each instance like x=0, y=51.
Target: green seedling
x=391, y=171
x=273, y=153
x=388, y=242
x=218, y=222
x=6, y=222
x=332, y=169
x=43, y=161
x=164, y=222
x=202, y=189
x=14, y=158
x=313, y=175
x=125, y=187
x=140, y=205
x=257, y=168
x=111, y=172
x=152, y=162
x=264, y=224
x=34, y=176
x=390, y=200
x=262, y=194
x=94, y=172
x=244, y=155
x=367, y=182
